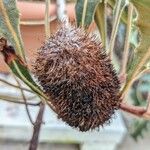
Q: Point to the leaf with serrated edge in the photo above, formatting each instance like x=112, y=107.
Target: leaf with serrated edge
x=9, y=28
x=142, y=52
x=9, y=25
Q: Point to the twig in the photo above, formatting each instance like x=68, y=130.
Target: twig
x=19, y=102
x=118, y=13
x=47, y=25
x=25, y=101
x=35, y=137
x=127, y=41
x=15, y=86
x=136, y=110
x=14, y=98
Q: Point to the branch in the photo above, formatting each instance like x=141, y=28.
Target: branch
x=35, y=137
x=135, y=110
x=15, y=98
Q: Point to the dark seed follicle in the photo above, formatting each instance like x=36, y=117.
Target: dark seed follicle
x=79, y=78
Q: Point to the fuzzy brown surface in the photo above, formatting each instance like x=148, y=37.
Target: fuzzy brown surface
x=76, y=73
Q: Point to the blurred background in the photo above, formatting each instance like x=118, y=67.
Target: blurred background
x=122, y=133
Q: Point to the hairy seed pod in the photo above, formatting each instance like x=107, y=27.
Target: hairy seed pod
x=76, y=73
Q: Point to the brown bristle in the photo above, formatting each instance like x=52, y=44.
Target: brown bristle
x=76, y=73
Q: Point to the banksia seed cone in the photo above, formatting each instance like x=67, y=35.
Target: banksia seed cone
x=76, y=73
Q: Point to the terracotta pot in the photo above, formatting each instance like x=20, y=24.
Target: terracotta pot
x=32, y=26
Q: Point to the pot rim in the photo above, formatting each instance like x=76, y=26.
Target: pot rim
x=33, y=13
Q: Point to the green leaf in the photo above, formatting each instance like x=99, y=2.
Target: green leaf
x=119, y=7
x=85, y=10
x=100, y=20
x=18, y=67
x=9, y=25
x=22, y=72
x=134, y=37
x=142, y=52
x=124, y=15
x=13, y=55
